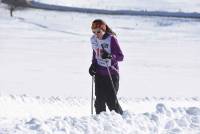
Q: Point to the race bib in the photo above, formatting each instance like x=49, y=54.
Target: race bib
x=98, y=46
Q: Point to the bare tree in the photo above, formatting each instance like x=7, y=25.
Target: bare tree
x=13, y=4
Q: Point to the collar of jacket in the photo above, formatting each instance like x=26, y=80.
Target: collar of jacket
x=105, y=36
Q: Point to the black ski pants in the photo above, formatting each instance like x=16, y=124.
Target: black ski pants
x=105, y=94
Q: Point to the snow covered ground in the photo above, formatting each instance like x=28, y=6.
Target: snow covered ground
x=55, y=115
x=47, y=54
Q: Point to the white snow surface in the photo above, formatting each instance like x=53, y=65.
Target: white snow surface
x=55, y=115
x=47, y=53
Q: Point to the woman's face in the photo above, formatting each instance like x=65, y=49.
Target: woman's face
x=98, y=32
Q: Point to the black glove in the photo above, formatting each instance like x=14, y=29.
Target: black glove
x=92, y=69
x=106, y=55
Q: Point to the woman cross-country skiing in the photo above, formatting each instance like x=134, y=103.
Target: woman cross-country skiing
x=106, y=54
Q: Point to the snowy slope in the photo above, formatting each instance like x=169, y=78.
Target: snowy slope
x=149, y=5
x=48, y=53
x=55, y=7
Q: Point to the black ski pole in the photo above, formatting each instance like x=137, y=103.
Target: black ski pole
x=119, y=109
x=92, y=95
x=111, y=80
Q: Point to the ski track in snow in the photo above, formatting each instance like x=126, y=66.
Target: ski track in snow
x=45, y=27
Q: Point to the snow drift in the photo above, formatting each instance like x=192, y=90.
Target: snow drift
x=36, y=116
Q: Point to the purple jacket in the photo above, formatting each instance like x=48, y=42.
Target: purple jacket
x=117, y=55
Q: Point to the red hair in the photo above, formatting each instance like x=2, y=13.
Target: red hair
x=98, y=23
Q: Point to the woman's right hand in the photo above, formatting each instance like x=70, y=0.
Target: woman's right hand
x=92, y=69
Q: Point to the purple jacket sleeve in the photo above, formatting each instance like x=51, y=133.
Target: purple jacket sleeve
x=116, y=52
